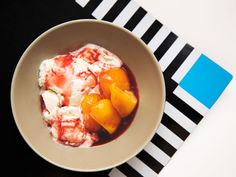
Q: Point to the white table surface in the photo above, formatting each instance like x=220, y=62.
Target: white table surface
x=210, y=26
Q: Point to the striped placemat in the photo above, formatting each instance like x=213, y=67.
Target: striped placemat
x=193, y=82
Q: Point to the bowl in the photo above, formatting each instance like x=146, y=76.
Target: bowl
x=69, y=36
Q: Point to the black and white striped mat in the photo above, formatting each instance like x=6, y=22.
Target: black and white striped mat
x=183, y=110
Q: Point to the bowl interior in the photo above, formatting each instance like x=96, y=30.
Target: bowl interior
x=68, y=37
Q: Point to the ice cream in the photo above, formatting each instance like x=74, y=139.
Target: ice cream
x=64, y=81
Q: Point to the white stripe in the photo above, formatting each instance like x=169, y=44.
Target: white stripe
x=190, y=100
x=157, y=153
x=116, y=173
x=158, y=38
x=171, y=53
x=169, y=136
x=103, y=8
x=179, y=117
x=82, y=3
x=141, y=167
x=143, y=25
x=187, y=64
x=126, y=13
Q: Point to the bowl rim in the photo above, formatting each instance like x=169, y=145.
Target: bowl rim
x=137, y=150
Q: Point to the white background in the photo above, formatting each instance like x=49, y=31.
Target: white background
x=210, y=26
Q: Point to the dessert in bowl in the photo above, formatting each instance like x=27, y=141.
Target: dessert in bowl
x=87, y=95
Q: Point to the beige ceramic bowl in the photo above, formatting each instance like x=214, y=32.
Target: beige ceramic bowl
x=67, y=37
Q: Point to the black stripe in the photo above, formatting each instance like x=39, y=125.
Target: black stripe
x=174, y=127
x=135, y=19
x=170, y=85
x=178, y=60
x=150, y=161
x=92, y=5
x=152, y=30
x=163, y=145
x=128, y=170
x=184, y=108
x=115, y=10
x=165, y=45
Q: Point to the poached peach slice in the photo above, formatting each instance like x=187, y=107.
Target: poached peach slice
x=110, y=76
x=91, y=124
x=106, y=115
x=123, y=101
x=89, y=101
x=86, y=104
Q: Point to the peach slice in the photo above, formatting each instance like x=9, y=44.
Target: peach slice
x=89, y=101
x=110, y=76
x=86, y=104
x=91, y=124
x=123, y=101
x=104, y=113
